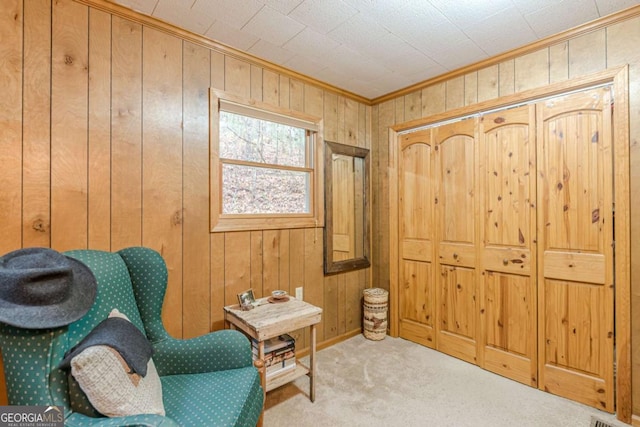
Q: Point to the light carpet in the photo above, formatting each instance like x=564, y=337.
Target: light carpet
x=395, y=382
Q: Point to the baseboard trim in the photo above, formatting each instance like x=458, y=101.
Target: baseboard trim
x=635, y=420
x=328, y=343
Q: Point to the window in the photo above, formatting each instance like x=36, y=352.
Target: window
x=266, y=165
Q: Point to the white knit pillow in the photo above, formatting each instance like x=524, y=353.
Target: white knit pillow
x=104, y=377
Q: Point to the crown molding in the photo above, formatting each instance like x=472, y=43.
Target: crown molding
x=594, y=25
x=160, y=25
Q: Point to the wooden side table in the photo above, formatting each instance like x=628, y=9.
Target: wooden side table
x=269, y=320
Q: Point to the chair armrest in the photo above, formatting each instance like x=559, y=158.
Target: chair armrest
x=80, y=420
x=215, y=351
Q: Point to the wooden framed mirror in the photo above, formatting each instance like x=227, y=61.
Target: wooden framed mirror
x=346, y=189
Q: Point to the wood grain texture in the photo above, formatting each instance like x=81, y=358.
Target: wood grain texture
x=559, y=62
x=11, y=75
x=36, y=128
x=69, y=117
x=587, y=53
x=99, y=151
x=195, y=191
x=126, y=134
x=162, y=186
x=532, y=70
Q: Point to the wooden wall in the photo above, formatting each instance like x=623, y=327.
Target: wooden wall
x=104, y=144
x=611, y=46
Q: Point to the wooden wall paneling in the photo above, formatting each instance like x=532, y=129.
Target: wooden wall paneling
x=237, y=265
x=587, y=53
x=488, y=79
x=11, y=76
x=237, y=77
x=506, y=74
x=343, y=284
x=559, y=62
x=434, y=99
x=99, y=137
x=195, y=190
x=270, y=87
x=330, y=311
x=351, y=122
x=217, y=286
x=386, y=119
x=257, y=249
x=313, y=101
x=532, y=70
x=296, y=275
x=399, y=110
x=455, y=93
x=413, y=105
x=284, y=91
x=362, y=139
x=330, y=116
x=271, y=261
x=471, y=88
x=69, y=99
x=217, y=70
x=341, y=120
x=296, y=95
x=126, y=134
x=36, y=120
x=375, y=198
x=256, y=83
x=621, y=49
x=284, y=258
x=162, y=210
x=314, y=276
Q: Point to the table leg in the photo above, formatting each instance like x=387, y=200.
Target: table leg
x=312, y=363
x=264, y=370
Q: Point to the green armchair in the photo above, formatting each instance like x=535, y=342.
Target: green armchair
x=209, y=380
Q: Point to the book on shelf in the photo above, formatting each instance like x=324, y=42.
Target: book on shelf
x=285, y=366
x=279, y=354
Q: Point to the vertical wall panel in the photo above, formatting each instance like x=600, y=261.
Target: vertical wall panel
x=455, y=93
x=488, y=83
x=217, y=285
x=99, y=180
x=217, y=70
x=270, y=87
x=314, y=275
x=506, y=77
x=162, y=185
x=11, y=126
x=471, y=88
x=257, y=267
x=413, y=105
x=195, y=241
x=36, y=128
x=559, y=62
x=284, y=92
x=434, y=99
x=330, y=117
x=126, y=134
x=256, y=83
x=69, y=99
x=587, y=53
x=237, y=77
x=296, y=95
x=237, y=265
x=532, y=70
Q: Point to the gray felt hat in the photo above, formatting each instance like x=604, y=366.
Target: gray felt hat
x=41, y=288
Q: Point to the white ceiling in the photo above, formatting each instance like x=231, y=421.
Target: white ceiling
x=374, y=47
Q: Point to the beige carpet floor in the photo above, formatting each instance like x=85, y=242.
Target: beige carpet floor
x=395, y=382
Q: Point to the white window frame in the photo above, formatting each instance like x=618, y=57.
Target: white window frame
x=221, y=222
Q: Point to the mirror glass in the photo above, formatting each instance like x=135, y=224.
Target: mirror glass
x=346, y=233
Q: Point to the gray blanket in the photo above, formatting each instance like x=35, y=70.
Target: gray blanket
x=121, y=335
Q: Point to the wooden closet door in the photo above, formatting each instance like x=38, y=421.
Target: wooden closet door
x=456, y=213
x=575, y=238
x=508, y=257
x=416, y=229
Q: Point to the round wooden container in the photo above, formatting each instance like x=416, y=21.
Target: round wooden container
x=376, y=301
